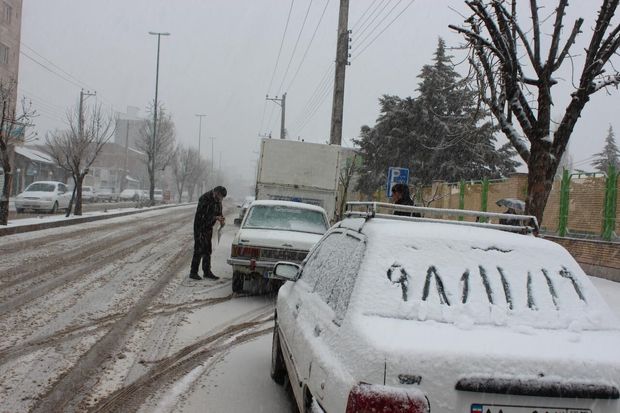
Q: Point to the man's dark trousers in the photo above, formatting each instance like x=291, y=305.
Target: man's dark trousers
x=202, y=251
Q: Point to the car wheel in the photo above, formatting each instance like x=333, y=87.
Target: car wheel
x=278, y=368
x=54, y=208
x=237, y=282
x=19, y=210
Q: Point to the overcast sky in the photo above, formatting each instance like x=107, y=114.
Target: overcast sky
x=220, y=58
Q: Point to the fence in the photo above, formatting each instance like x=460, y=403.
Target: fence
x=582, y=205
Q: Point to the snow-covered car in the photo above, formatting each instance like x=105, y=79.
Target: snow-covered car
x=158, y=196
x=43, y=196
x=106, y=195
x=243, y=208
x=273, y=231
x=409, y=314
x=131, y=195
x=88, y=194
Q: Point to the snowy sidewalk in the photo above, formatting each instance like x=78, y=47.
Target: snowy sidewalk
x=17, y=226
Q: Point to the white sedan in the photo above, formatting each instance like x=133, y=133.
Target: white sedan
x=273, y=231
x=43, y=196
x=401, y=314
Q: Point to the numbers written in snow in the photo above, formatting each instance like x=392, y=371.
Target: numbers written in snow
x=397, y=274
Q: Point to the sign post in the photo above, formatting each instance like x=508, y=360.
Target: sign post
x=396, y=176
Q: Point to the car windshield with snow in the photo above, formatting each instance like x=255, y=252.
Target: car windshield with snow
x=445, y=317
x=272, y=231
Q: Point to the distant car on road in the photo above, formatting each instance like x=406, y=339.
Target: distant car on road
x=106, y=195
x=88, y=194
x=158, y=196
x=131, y=195
x=243, y=208
x=408, y=314
x=274, y=231
x=43, y=196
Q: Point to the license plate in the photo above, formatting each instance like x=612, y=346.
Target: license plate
x=497, y=408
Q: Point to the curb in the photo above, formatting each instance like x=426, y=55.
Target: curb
x=64, y=223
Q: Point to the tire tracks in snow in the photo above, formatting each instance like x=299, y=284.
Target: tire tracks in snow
x=101, y=255
x=94, y=326
x=171, y=368
x=29, y=272
x=67, y=392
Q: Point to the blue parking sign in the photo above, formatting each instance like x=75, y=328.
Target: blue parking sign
x=396, y=176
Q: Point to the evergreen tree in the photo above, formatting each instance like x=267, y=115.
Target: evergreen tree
x=439, y=135
x=610, y=156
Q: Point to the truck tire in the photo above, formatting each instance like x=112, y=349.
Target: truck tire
x=278, y=368
x=19, y=210
x=237, y=282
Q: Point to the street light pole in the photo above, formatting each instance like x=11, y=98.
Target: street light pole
x=152, y=188
x=212, y=155
x=199, y=131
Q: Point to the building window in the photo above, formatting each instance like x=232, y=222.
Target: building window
x=8, y=11
x=4, y=54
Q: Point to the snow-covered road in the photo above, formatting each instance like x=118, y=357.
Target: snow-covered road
x=102, y=317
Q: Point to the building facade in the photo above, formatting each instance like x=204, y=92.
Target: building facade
x=10, y=35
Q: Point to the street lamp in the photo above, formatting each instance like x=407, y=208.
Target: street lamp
x=199, y=131
x=151, y=190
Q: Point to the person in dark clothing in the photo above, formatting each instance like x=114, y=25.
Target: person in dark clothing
x=401, y=196
x=208, y=212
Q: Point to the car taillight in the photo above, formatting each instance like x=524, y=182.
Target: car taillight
x=367, y=398
x=241, y=251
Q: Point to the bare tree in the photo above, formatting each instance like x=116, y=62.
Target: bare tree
x=517, y=87
x=197, y=177
x=75, y=149
x=344, y=179
x=185, y=162
x=159, y=149
x=12, y=132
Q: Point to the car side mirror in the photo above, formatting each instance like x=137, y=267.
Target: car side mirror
x=286, y=271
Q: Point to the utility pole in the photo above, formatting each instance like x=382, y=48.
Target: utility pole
x=212, y=154
x=125, y=171
x=342, y=60
x=152, y=187
x=199, y=132
x=282, y=103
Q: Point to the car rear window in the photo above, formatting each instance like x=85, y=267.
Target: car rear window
x=476, y=276
x=286, y=218
x=41, y=187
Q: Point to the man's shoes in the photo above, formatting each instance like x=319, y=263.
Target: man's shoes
x=211, y=276
x=194, y=276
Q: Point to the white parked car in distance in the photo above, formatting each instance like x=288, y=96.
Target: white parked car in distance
x=47, y=196
x=391, y=314
x=158, y=196
x=273, y=231
x=88, y=194
x=131, y=195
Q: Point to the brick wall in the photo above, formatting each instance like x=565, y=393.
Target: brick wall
x=598, y=258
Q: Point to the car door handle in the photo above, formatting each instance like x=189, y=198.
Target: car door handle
x=296, y=311
x=317, y=330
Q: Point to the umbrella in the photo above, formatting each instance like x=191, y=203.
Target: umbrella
x=512, y=203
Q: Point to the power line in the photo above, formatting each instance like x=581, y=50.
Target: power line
x=384, y=29
x=308, y=47
x=370, y=33
x=275, y=67
x=363, y=14
x=84, y=85
x=50, y=70
x=318, y=90
x=366, y=24
x=301, y=29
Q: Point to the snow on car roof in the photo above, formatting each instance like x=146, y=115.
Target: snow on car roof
x=291, y=204
x=470, y=275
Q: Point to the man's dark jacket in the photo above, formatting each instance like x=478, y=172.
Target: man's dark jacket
x=206, y=213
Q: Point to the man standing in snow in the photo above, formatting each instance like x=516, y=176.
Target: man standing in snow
x=208, y=212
